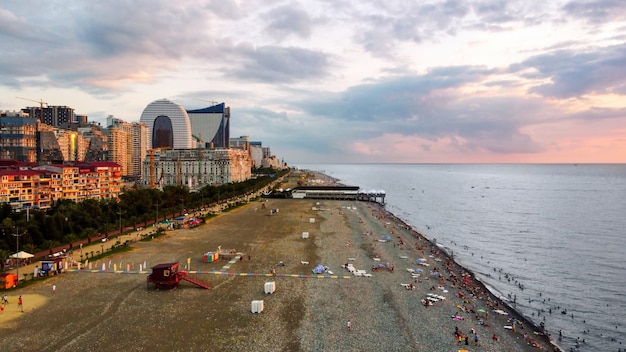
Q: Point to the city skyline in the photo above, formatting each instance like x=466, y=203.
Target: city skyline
x=320, y=82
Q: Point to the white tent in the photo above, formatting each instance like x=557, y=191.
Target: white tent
x=22, y=255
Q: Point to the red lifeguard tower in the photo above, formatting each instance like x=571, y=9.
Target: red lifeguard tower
x=166, y=276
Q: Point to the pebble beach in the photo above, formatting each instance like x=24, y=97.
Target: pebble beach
x=104, y=311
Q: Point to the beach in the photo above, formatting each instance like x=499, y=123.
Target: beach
x=100, y=311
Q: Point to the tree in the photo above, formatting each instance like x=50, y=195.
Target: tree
x=4, y=255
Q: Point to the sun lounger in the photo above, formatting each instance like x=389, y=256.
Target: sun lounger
x=304, y=263
x=367, y=275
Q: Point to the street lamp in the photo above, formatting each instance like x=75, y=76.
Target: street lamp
x=120, y=214
x=17, y=236
x=157, y=212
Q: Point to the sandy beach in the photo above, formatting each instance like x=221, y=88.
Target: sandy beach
x=118, y=311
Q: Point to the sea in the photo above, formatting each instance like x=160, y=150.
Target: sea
x=550, y=239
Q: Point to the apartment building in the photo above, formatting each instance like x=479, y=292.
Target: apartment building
x=23, y=186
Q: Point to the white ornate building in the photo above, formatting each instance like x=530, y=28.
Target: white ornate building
x=196, y=168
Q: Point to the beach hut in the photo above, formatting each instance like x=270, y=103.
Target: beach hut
x=51, y=266
x=8, y=280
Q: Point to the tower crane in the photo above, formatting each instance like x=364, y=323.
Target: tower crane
x=213, y=102
x=41, y=102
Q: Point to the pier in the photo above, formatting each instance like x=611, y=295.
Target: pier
x=338, y=193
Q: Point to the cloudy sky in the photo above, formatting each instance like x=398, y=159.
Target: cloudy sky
x=321, y=81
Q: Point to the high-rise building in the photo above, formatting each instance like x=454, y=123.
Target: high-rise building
x=18, y=136
x=168, y=125
x=256, y=153
x=128, y=148
x=72, y=144
x=48, y=148
x=98, y=142
x=118, y=148
x=211, y=125
x=140, y=138
x=52, y=115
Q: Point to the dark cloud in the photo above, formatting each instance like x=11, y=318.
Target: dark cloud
x=419, y=106
x=90, y=44
x=574, y=73
x=597, y=12
x=379, y=99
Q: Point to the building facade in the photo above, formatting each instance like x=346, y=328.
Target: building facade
x=211, y=126
x=118, y=148
x=196, y=168
x=72, y=144
x=38, y=186
x=128, y=145
x=168, y=125
x=18, y=136
x=52, y=115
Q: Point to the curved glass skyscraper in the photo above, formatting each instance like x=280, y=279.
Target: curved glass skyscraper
x=168, y=125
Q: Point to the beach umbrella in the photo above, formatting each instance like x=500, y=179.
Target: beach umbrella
x=22, y=255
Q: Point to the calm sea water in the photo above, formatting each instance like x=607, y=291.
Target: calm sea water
x=552, y=238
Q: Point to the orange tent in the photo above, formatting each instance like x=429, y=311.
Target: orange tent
x=7, y=281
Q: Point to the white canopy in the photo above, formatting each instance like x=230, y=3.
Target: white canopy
x=22, y=255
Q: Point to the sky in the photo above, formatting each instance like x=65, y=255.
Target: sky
x=331, y=81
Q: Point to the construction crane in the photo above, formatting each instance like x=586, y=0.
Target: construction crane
x=41, y=102
x=154, y=183
x=213, y=102
x=199, y=140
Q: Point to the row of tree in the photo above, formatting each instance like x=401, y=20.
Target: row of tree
x=66, y=222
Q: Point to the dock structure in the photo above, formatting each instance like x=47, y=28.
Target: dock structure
x=377, y=196
x=338, y=193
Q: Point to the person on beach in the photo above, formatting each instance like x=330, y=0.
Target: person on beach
x=349, y=324
x=20, y=302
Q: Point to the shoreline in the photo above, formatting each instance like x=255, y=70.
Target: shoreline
x=519, y=315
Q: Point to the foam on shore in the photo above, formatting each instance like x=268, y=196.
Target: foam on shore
x=517, y=314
